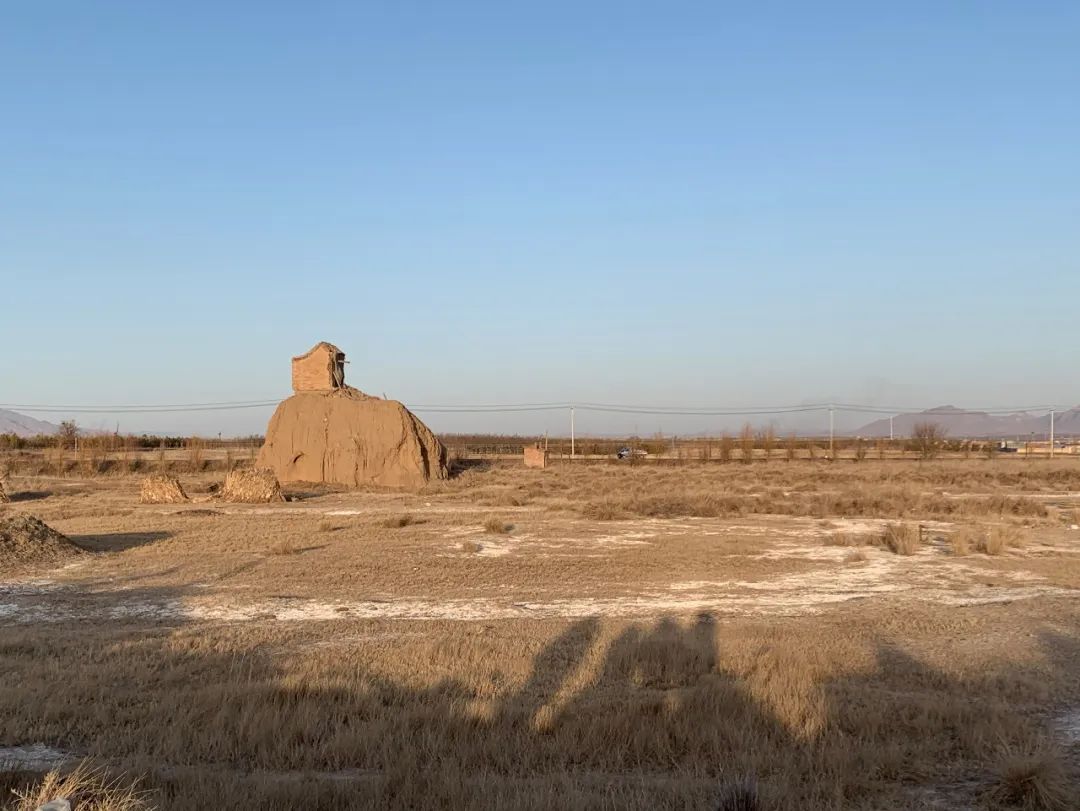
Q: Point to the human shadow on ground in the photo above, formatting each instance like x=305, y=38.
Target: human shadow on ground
x=28, y=495
x=609, y=714
x=118, y=541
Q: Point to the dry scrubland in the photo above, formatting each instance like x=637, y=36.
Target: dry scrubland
x=783, y=635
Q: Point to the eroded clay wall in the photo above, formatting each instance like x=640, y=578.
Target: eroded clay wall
x=536, y=457
x=312, y=373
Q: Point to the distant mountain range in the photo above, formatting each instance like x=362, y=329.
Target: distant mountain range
x=958, y=422
x=21, y=425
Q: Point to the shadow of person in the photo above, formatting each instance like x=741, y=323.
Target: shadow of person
x=118, y=541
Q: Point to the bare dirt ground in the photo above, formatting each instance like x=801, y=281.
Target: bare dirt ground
x=580, y=637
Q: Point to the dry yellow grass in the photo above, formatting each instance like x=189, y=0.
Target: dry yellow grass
x=251, y=487
x=994, y=540
x=532, y=715
x=1034, y=778
x=963, y=540
x=191, y=653
x=284, y=547
x=497, y=526
x=161, y=488
x=84, y=787
x=902, y=539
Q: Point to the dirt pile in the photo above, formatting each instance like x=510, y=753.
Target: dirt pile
x=345, y=437
x=25, y=539
x=258, y=486
x=161, y=488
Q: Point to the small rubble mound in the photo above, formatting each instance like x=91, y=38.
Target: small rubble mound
x=161, y=488
x=26, y=539
x=258, y=486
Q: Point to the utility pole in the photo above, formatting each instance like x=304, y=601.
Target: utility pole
x=832, y=453
x=1051, y=433
x=571, y=432
x=890, y=428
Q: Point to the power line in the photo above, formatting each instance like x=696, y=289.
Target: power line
x=506, y=408
x=166, y=409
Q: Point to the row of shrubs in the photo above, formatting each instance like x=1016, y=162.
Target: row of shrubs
x=887, y=503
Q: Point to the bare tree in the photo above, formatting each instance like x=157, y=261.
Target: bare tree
x=726, y=446
x=927, y=439
x=767, y=440
x=746, y=443
x=68, y=433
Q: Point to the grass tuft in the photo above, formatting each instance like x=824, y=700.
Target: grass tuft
x=963, y=541
x=472, y=547
x=739, y=795
x=496, y=526
x=902, y=539
x=86, y=788
x=284, y=547
x=856, y=556
x=399, y=521
x=1031, y=780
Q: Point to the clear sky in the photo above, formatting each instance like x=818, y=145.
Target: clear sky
x=664, y=203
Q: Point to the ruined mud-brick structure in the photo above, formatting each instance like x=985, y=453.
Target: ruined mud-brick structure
x=321, y=368
x=330, y=432
x=536, y=457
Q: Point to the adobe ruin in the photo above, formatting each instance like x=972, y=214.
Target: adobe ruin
x=331, y=432
x=321, y=368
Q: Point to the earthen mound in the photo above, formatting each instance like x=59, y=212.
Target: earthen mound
x=25, y=539
x=343, y=436
x=161, y=488
x=252, y=487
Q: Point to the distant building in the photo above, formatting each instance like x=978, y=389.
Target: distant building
x=321, y=368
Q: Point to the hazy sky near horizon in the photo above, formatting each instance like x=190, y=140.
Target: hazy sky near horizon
x=650, y=203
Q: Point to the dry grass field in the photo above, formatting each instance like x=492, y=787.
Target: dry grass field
x=801, y=635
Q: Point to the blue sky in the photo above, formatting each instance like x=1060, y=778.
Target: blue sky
x=664, y=203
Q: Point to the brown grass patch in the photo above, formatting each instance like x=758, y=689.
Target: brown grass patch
x=399, y=521
x=255, y=486
x=1033, y=780
x=963, y=541
x=902, y=539
x=497, y=526
x=161, y=488
x=998, y=539
x=284, y=547
x=841, y=538
x=85, y=788
x=739, y=795
x=604, y=511
x=471, y=547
